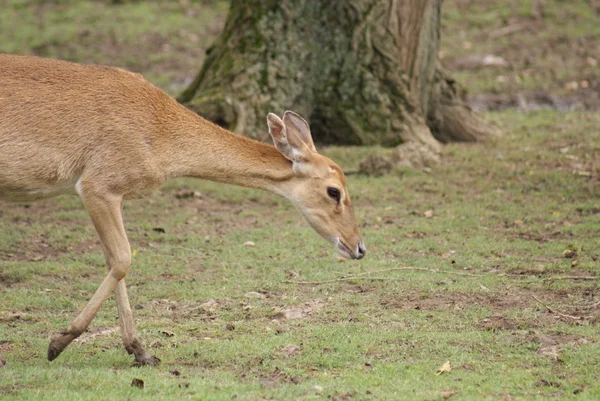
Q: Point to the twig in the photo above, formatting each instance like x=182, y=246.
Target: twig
x=557, y=312
x=361, y=276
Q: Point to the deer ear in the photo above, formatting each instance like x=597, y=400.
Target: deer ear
x=293, y=122
x=288, y=142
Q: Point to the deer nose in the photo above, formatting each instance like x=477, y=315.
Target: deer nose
x=361, y=250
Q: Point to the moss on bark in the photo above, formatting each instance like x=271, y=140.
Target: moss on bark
x=360, y=71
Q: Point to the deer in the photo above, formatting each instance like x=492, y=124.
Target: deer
x=108, y=135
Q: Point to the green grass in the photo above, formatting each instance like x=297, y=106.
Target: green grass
x=503, y=212
x=552, y=46
x=165, y=40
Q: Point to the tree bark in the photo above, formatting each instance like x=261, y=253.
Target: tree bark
x=362, y=72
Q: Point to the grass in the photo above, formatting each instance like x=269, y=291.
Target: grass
x=503, y=212
x=489, y=224
x=551, y=56
x=165, y=40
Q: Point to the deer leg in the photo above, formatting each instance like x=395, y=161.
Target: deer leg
x=106, y=215
x=130, y=339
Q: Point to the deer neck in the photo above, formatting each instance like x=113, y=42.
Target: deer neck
x=204, y=150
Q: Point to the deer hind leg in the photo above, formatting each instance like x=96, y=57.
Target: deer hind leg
x=130, y=339
x=105, y=212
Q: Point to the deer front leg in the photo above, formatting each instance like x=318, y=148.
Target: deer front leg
x=82, y=321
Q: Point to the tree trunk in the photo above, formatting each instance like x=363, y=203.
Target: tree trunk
x=361, y=72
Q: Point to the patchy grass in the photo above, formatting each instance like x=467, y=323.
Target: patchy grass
x=500, y=217
x=551, y=52
x=466, y=262
x=164, y=40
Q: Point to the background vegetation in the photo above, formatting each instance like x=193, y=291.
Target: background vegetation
x=487, y=261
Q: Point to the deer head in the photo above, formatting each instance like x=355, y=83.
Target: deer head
x=318, y=189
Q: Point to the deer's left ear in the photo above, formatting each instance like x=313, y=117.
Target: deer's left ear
x=288, y=141
x=293, y=122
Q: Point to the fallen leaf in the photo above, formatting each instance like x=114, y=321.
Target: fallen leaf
x=445, y=368
x=254, y=294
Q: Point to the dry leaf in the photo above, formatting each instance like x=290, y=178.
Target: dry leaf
x=444, y=368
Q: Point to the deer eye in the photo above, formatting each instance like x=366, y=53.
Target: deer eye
x=334, y=193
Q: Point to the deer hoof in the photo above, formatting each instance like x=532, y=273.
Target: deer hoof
x=59, y=343
x=148, y=360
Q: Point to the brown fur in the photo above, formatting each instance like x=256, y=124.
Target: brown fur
x=109, y=135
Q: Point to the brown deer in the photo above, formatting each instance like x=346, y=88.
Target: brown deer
x=108, y=135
